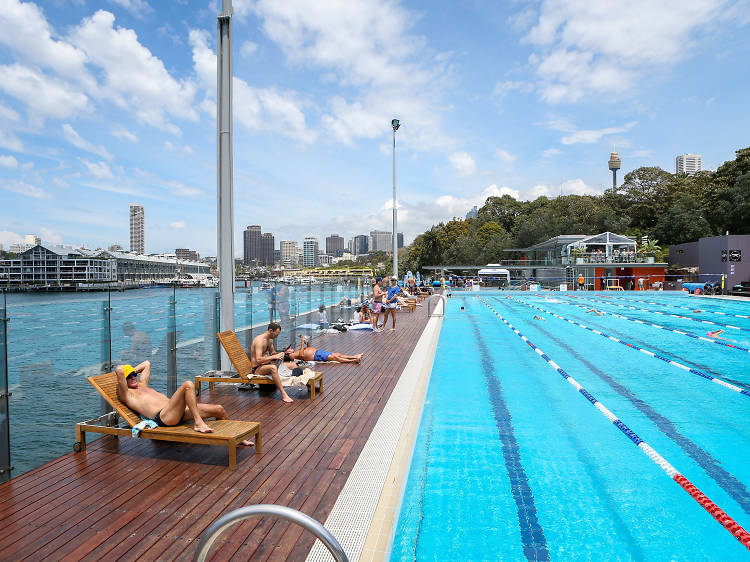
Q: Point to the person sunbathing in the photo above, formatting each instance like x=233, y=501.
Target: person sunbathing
x=148, y=403
x=405, y=302
x=307, y=353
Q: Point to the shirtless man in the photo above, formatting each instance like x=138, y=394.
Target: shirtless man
x=595, y=311
x=149, y=403
x=306, y=353
x=264, y=356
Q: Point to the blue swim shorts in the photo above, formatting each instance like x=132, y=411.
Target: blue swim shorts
x=321, y=355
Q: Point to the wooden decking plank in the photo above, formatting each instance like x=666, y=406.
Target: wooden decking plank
x=310, y=447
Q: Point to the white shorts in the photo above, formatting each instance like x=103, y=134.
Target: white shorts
x=389, y=305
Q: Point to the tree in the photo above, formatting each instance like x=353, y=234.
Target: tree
x=682, y=222
x=644, y=194
x=487, y=231
x=503, y=210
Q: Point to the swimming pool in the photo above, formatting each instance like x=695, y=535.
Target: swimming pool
x=513, y=462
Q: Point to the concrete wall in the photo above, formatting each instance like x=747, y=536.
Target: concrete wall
x=706, y=254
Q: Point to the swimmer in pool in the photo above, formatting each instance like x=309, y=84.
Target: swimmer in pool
x=595, y=311
x=716, y=333
x=697, y=310
x=462, y=308
x=537, y=317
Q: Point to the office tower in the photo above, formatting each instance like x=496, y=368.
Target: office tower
x=137, y=229
x=288, y=251
x=380, y=241
x=266, y=248
x=687, y=164
x=400, y=240
x=187, y=254
x=310, y=251
x=473, y=213
x=251, y=245
x=614, y=165
x=361, y=244
x=334, y=245
x=276, y=256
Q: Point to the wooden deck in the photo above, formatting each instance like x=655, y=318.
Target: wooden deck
x=132, y=499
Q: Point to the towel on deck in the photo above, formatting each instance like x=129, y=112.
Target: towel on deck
x=144, y=424
x=288, y=379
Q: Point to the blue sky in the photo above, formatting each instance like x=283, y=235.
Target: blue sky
x=105, y=103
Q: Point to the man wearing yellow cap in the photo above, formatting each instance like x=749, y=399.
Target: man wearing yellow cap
x=151, y=404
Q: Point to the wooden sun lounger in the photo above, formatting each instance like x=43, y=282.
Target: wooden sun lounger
x=241, y=362
x=227, y=433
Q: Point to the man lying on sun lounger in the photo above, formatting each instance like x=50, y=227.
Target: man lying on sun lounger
x=307, y=353
x=151, y=404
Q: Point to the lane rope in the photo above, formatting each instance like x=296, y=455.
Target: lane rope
x=737, y=531
x=725, y=326
x=672, y=362
x=682, y=307
x=660, y=327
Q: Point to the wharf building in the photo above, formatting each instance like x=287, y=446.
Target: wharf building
x=137, y=229
x=67, y=266
x=185, y=254
x=687, y=164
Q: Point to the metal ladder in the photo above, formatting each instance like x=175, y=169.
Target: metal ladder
x=277, y=511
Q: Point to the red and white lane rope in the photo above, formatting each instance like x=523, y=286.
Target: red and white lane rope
x=667, y=360
x=609, y=302
x=704, y=501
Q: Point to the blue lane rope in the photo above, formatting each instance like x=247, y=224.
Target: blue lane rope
x=642, y=350
x=682, y=307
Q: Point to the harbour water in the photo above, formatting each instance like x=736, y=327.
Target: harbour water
x=55, y=340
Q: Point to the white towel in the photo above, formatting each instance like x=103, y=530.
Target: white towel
x=144, y=424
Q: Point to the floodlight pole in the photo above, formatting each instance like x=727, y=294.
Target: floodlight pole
x=224, y=188
x=395, y=124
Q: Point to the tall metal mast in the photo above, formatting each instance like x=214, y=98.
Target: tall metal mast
x=224, y=187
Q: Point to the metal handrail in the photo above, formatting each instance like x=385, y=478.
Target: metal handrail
x=429, y=301
x=279, y=511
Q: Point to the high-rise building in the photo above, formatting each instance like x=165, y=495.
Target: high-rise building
x=267, y=244
x=687, y=164
x=310, y=249
x=400, y=240
x=380, y=241
x=361, y=244
x=251, y=251
x=474, y=213
x=288, y=251
x=334, y=245
x=187, y=254
x=137, y=229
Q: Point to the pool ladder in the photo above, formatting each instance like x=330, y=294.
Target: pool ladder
x=277, y=511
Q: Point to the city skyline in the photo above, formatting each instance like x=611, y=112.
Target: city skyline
x=103, y=104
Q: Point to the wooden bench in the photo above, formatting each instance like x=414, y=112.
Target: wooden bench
x=227, y=433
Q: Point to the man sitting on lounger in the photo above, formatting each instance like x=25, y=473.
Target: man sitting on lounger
x=264, y=357
x=149, y=403
x=307, y=353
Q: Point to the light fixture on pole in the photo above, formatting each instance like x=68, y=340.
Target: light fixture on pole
x=395, y=124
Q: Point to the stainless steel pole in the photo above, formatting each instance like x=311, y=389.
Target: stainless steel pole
x=224, y=187
x=395, y=235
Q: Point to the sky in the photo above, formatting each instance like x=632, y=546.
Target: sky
x=111, y=102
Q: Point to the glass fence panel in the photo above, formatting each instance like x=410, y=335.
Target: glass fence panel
x=196, y=326
x=4, y=420
x=54, y=341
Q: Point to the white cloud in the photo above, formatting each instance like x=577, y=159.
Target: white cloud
x=8, y=162
x=49, y=236
x=185, y=149
x=98, y=170
x=177, y=224
x=551, y=152
x=72, y=136
x=370, y=49
x=463, y=162
x=505, y=156
x=24, y=188
x=594, y=135
x=257, y=109
x=45, y=96
x=8, y=238
x=569, y=187
x=182, y=190
x=8, y=114
x=138, y=8
x=133, y=77
x=10, y=141
x=600, y=48
x=248, y=48
x=502, y=89
x=122, y=133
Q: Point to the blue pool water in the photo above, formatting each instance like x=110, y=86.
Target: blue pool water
x=512, y=463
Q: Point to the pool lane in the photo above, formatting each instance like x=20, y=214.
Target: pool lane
x=736, y=530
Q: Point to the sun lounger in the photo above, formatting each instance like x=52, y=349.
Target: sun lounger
x=227, y=433
x=241, y=362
